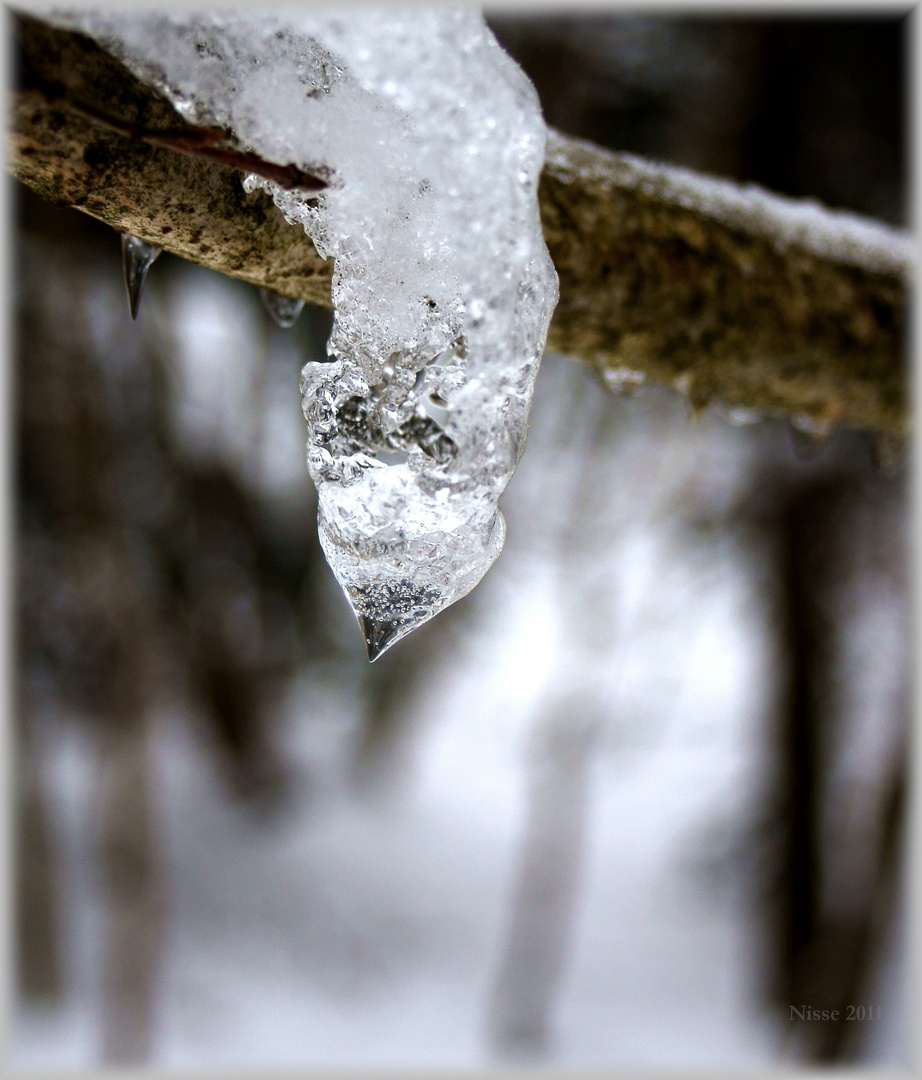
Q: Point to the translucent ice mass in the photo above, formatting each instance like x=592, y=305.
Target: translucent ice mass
x=432, y=141
x=137, y=258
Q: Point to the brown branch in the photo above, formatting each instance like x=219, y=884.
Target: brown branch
x=731, y=294
x=198, y=142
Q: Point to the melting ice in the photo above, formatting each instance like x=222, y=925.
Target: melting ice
x=432, y=141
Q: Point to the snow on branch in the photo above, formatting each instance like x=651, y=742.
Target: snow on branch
x=726, y=291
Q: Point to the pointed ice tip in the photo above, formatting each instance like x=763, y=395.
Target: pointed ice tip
x=378, y=637
x=137, y=256
x=283, y=309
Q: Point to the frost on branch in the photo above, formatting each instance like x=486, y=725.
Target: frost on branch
x=431, y=140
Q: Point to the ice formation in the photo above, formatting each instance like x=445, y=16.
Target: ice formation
x=285, y=310
x=432, y=141
x=137, y=258
x=623, y=380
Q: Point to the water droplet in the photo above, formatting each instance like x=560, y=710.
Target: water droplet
x=137, y=257
x=378, y=636
x=283, y=309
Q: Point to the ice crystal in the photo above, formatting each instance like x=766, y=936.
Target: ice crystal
x=432, y=142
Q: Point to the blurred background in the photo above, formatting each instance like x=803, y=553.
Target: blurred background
x=624, y=805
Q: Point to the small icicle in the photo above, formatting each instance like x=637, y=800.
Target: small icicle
x=283, y=309
x=378, y=636
x=623, y=380
x=809, y=435
x=137, y=257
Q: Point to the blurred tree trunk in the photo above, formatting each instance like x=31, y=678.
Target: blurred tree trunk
x=39, y=975
x=840, y=785
x=132, y=875
x=543, y=907
x=118, y=569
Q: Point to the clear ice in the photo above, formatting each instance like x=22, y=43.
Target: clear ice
x=137, y=258
x=285, y=310
x=432, y=141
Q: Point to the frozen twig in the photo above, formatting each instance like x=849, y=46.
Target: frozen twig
x=725, y=291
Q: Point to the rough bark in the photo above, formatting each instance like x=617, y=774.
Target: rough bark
x=192, y=207
x=728, y=293
x=719, y=290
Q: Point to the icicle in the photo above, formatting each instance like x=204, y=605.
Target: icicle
x=442, y=287
x=283, y=309
x=623, y=380
x=809, y=435
x=137, y=258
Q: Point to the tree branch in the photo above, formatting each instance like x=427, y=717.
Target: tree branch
x=728, y=292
